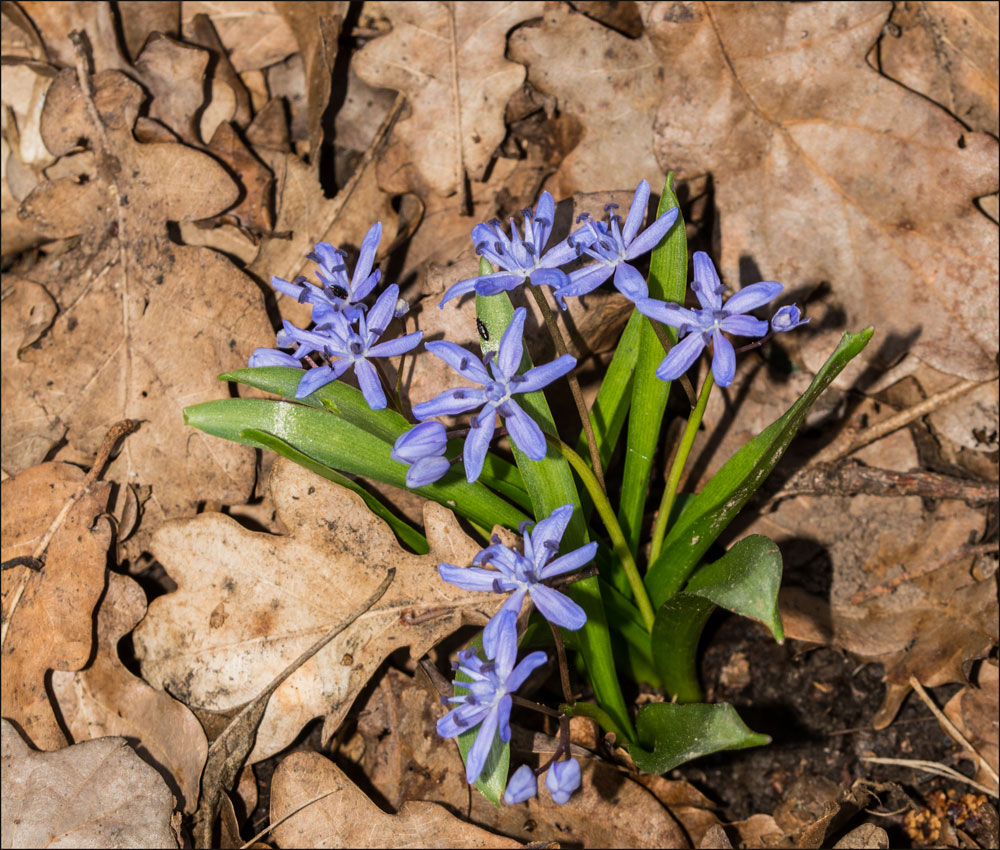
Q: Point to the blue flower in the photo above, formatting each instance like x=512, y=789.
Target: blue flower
x=495, y=395
x=523, y=574
x=786, y=319
x=338, y=338
x=523, y=785
x=337, y=293
x=563, y=779
x=422, y=446
x=697, y=328
x=613, y=249
x=488, y=702
x=519, y=259
x=273, y=357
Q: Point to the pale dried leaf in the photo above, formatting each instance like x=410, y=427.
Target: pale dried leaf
x=141, y=18
x=448, y=58
x=247, y=604
x=254, y=209
x=252, y=31
x=974, y=711
x=95, y=794
x=55, y=21
x=51, y=627
x=106, y=700
x=174, y=73
x=347, y=818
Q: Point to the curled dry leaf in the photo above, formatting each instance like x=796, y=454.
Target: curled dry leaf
x=140, y=18
x=347, y=818
x=448, y=58
x=144, y=325
x=174, y=73
x=51, y=627
x=254, y=208
x=94, y=794
x=824, y=170
x=106, y=699
x=247, y=604
x=974, y=711
x=253, y=32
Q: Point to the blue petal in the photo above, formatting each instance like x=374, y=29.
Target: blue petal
x=286, y=288
x=630, y=283
x=636, y=211
x=313, y=379
x=563, y=779
x=503, y=713
x=554, y=278
x=707, y=285
x=499, y=621
x=450, y=402
x=557, y=608
x=753, y=296
x=787, y=318
x=523, y=785
x=491, y=284
x=456, y=290
x=744, y=325
x=524, y=431
x=272, y=357
x=371, y=386
x=469, y=578
x=723, y=360
x=366, y=257
x=395, y=347
x=460, y=720
x=512, y=344
x=569, y=562
x=385, y=307
x=466, y=364
x=478, y=443
x=428, y=439
x=680, y=357
x=527, y=666
x=544, y=217
x=586, y=279
x=667, y=312
x=542, y=376
x=361, y=291
x=426, y=471
x=651, y=236
x=549, y=531
x=476, y=759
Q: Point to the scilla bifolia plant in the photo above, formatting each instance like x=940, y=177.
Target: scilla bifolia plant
x=629, y=607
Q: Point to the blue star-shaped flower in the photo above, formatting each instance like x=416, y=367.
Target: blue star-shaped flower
x=488, y=702
x=338, y=338
x=613, y=249
x=521, y=575
x=519, y=259
x=697, y=328
x=495, y=395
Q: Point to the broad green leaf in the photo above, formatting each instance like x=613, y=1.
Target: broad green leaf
x=493, y=780
x=338, y=444
x=348, y=403
x=711, y=511
x=673, y=734
x=745, y=581
x=667, y=282
x=403, y=530
x=550, y=484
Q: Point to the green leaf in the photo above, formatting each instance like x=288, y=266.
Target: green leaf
x=493, y=780
x=711, y=511
x=338, y=444
x=673, y=734
x=667, y=282
x=550, y=484
x=403, y=530
x=745, y=581
x=348, y=403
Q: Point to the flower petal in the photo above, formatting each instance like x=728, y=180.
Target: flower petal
x=519, y=675
x=549, y=531
x=503, y=716
x=466, y=364
x=557, y=608
x=563, y=779
x=478, y=442
x=469, y=578
x=545, y=212
x=456, y=290
x=524, y=431
x=744, y=325
x=630, y=283
x=585, y=280
x=397, y=346
x=491, y=284
x=541, y=376
x=475, y=761
x=523, y=785
x=512, y=344
x=492, y=633
x=313, y=379
x=636, y=212
x=426, y=471
x=273, y=357
x=460, y=720
x=707, y=285
x=723, y=360
x=366, y=257
x=570, y=561
x=427, y=439
x=381, y=314
x=371, y=386
x=667, y=313
x=680, y=357
x=753, y=296
x=450, y=402
x=651, y=236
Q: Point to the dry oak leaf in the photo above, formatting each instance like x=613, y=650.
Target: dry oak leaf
x=448, y=59
x=347, y=818
x=253, y=31
x=105, y=700
x=826, y=171
x=247, y=604
x=144, y=325
x=174, y=73
x=974, y=711
x=55, y=21
x=51, y=627
x=95, y=794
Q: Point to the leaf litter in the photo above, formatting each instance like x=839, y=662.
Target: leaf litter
x=140, y=228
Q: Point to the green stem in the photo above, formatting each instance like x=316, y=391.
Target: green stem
x=574, y=384
x=607, y=514
x=677, y=468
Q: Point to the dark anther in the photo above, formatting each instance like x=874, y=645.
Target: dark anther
x=480, y=246
x=551, y=545
x=526, y=212
x=531, y=576
x=303, y=295
x=495, y=539
x=543, y=221
x=496, y=586
x=522, y=525
x=488, y=667
x=517, y=379
x=495, y=223
x=609, y=207
x=459, y=394
x=355, y=348
x=464, y=362
x=498, y=248
x=582, y=217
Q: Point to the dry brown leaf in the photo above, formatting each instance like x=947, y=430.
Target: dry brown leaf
x=253, y=32
x=94, y=794
x=448, y=58
x=174, y=73
x=974, y=711
x=347, y=818
x=248, y=603
x=202, y=33
x=18, y=35
x=254, y=208
x=55, y=21
x=826, y=171
x=948, y=52
x=144, y=325
x=51, y=627
x=107, y=700
x=140, y=18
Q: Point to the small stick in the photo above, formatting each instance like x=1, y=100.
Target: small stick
x=563, y=666
x=932, y=767
x=281, y=820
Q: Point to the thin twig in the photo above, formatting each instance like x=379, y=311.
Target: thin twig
x=953, y=730
x=932, y=767
x=281, y=820
x=534, y=706
x=563, y=666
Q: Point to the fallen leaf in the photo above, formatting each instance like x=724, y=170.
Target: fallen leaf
x=347, y=818
x=141, y=18
x=144, y=325
x=253, y=32
x=106, y=700
x=249, y=603
x=448, y=58
x=254, y=208
x=826, y=171
x=51, y=626
x=202, y=33
x=974, y=711
x=174, y=73
x=55, y=21
x=94, y=794
x=947, y=52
